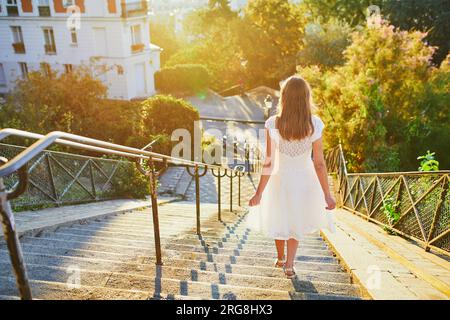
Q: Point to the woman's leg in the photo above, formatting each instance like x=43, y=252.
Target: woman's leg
x=292, y=246
x=280, y=249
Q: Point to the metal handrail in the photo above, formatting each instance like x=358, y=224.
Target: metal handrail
x=85, y=143
x=19, y=164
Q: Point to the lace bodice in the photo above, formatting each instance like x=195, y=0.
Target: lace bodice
x=294, y=148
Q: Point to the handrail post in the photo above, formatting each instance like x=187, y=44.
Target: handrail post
x=239, y=190
x=219, y=198
x=12, y=241
x=231, y=191
x=154, y=199
x=197, y=198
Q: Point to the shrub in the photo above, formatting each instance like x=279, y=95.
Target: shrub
x=162, y=114
x=183, y=79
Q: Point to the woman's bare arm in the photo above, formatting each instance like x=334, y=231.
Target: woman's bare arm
x=266, y=172
x=322, y=174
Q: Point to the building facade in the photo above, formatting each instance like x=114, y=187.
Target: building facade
x=112, y=37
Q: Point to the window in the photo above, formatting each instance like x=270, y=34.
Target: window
x=23, y=70
x=68, y=68
x=73, y=37
x=136, y=34
x=46, y=69
x=11, y=8
x=136, y=40
x=18, y=44
x=68, y=3
x=17, y=34
x=49, y=38
x=2, y=76
x=44, y=8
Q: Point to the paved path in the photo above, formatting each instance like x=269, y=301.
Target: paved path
x=388, y=266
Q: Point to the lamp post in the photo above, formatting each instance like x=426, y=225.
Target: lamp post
x=268, y=103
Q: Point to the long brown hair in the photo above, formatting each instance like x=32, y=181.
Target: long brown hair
x=294, y=121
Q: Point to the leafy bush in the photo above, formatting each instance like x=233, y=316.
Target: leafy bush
x=390, y=211
x=428, y=162
x=163, y=114
x=128, y=182
x=183, y=79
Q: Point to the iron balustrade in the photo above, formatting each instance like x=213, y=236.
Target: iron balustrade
x=19, y=162
x=415, y=205
x=57, y=178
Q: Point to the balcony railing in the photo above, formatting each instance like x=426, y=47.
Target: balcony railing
x=12, y=11
x=50, y=49
x=134, y=9
x=136, y=48
x=44, y=11
x=19, y=47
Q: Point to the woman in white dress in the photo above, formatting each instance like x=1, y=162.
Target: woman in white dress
x=293, y=195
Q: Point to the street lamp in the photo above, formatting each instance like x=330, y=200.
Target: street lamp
x=268, y=103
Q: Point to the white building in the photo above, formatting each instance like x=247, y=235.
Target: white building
x=62, y=34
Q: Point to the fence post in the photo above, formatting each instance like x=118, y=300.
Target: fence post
x=12, y=241
x=219, y=198
x=154, y=199
x=231, y=191
x=197, y=198
x=239, y=190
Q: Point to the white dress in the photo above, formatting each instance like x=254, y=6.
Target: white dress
x=292, y=204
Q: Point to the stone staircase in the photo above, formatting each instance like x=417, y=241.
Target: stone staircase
x=113, y=258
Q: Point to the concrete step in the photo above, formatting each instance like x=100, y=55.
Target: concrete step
x=60, y=291
x=199, y=283
x=172, y=229
x=315, y=296
x=265, y=269
x=97, y=277
x=264, y=252
x=145, y=238
x=52, y=243
x=180, y=266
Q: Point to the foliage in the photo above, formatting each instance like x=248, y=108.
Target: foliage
x=270, y=37
x=372, y=102
x=428, y=162
x=67, y=102
x=164, y=114
x=163, y=35
x=431, y=16
x=212, y=32
x=183, y=78
x=390, y=211
x=324, y=44
x=129, y=182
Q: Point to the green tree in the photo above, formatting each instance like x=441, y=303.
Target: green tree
x=372, y=103
x=270, y=37
x=324, y=44
x=164, y=36
x=432, y=16
x=64, y=101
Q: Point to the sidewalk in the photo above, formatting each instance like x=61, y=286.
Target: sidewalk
x=33, y=222
x=387, y=266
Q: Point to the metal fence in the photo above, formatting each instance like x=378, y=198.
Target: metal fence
x=57, y=178
x=413, y=204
